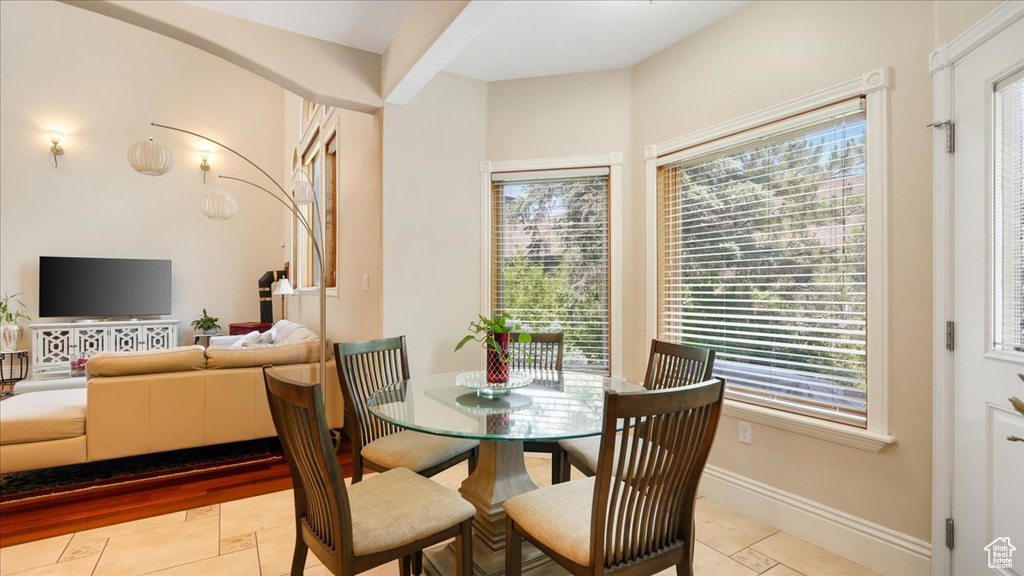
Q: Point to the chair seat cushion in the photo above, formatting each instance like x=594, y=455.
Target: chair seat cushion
x=414, y=450
x=41, y=416
x=585, y=450
x=558, y=517
x=399, y=507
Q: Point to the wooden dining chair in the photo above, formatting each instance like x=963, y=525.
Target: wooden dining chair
x=364, y=368
x=668, y=366
x=389, y=516
x=636, y=516
x=541, y=356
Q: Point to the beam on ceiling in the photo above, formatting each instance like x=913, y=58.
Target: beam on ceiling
x=318, y=70
x=432, y=34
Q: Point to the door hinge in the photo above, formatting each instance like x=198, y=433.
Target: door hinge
x=950, y=335
x=950, y=133
x=949, y=533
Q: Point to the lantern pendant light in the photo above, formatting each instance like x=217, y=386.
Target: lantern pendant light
x=218, y=205
x=148, y=157
x=302, y=193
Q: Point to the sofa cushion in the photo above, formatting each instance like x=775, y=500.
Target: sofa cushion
x=261, y=354
x=42, y=416
x=179, y=359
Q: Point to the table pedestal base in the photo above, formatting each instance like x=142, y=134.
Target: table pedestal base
x=500, y=474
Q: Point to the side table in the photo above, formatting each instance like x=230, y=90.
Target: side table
x=244, y=328
x=203, y=339
x=13, y=368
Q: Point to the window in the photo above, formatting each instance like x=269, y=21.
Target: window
x=552, y=255
x=318, y=162
x=1008, y=215
x=330, y=203
x=767, y=243
x=308, y=265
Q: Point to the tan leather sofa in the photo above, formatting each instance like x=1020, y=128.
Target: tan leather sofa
x=145, y=402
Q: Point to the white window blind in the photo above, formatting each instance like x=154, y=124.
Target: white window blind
x=1008, y=215
x=550, y=258
x=762, y=257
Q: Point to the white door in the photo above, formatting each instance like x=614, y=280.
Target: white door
x=988, y=304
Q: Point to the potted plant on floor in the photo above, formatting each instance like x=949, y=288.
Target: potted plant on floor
x=10, y=329
x=206, y=324
x=493, y=334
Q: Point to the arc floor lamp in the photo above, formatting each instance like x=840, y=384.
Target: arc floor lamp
x=153, y=159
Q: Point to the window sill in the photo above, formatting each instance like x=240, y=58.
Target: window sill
x=813, y=427
x=331, y=292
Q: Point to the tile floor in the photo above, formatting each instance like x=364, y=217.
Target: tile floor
x=254, y=537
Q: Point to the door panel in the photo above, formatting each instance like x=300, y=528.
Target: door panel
x=988, y=469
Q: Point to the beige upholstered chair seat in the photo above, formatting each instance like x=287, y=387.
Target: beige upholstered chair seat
x=559, y=516
x=399, y=507
x=414, y=450
x=42, y=416
x=583, y=450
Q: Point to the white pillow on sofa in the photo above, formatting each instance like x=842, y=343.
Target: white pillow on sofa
x=225, y=340
x=300, y=334
x=247, y=340
x=282, y=329
x=267, y=337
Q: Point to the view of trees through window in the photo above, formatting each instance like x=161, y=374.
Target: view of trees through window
x=551, y=261
x=762, y=257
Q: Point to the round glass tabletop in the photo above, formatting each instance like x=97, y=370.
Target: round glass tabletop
x=556, y=405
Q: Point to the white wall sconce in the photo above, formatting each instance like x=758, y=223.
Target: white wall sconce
x=204, y=165
x=55, y=148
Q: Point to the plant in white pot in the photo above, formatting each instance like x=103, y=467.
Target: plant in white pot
x=206, y=324
x=10, y=329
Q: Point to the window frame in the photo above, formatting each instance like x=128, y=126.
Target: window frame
x=874, y=86
x=613, y=161
x=321, y=129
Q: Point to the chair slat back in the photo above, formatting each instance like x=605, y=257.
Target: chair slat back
x=675, y=365
x=647, y=475
x=364, y=368
x=543, y=352
x=321, y=501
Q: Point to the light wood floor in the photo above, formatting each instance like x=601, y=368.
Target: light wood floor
x=254, y=535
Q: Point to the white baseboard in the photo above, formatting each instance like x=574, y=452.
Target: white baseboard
x=881, y=549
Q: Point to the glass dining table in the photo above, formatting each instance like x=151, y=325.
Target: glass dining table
x=550, y=406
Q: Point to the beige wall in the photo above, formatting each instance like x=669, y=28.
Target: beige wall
x=433, y=147
x=952, y=18
x=763, y=55
x=573, y=115
x=321, y=71
x=102, y=82
x=768, y=53
x=352, y=313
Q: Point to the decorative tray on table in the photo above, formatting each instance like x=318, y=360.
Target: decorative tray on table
x=477, y=381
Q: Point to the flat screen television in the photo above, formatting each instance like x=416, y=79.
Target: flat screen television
x=103, y=287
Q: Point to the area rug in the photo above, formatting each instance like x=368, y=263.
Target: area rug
x=92, y=476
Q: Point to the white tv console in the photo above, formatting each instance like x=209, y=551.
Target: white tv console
x=52, y=343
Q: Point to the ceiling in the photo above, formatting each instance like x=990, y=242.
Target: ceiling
x=529, y=38
x=524, y=39
x=365, y=24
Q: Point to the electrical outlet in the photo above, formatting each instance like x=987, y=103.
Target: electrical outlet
x=366, y=282
x=745, y=432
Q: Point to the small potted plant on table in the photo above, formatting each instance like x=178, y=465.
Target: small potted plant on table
x=493, y=334
x=206, y=324
x=10, y=329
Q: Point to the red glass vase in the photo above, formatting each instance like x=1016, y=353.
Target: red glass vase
x=497, y=369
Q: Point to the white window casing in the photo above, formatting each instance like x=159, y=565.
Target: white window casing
x=492, y=172
x=813, y=109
